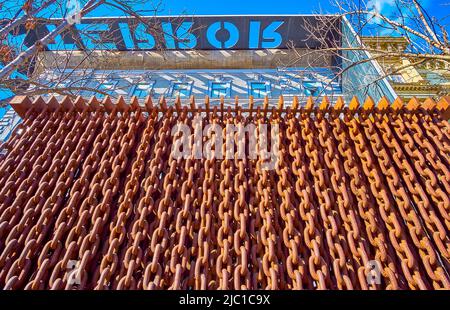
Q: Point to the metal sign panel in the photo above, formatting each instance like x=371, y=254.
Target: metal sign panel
x=185, y=33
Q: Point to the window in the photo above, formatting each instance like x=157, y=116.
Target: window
x=57, y=84
x=259, y=89
x=181, y=89
x=51, y=84
x=219, y=89
x=312, y=88
x=435, y=78
x=332, y=89
x=397, y=78
x=288, y=86
x=142, y=90
x=3, y=111
x=107, y=87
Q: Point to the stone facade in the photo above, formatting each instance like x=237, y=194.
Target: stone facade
x=429, y=79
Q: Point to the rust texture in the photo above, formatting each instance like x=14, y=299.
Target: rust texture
x=94, y=184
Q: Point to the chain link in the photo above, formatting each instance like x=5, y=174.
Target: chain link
x=96, y=200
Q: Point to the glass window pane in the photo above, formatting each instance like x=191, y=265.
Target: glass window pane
x=142, y=90
x=181, y=89
x=258, y=89
x=312, y=88
x=219, y=89
x=289, y=86
x=397, y=78
x=107, y=87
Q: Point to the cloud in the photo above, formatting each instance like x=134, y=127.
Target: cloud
x=388, y=6
x=389, y=9
x=381, y=6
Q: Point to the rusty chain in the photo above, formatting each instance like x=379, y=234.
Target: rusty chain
x=92, y=197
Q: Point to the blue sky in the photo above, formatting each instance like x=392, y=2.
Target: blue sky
x=175, y=7
x=438, y=8
x=243, y=6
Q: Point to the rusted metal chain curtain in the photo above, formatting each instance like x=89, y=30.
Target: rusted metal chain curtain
x=94, y=184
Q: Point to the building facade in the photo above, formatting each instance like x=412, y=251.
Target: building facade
x=282, y=182
x=221, y=57
x=428, y=79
